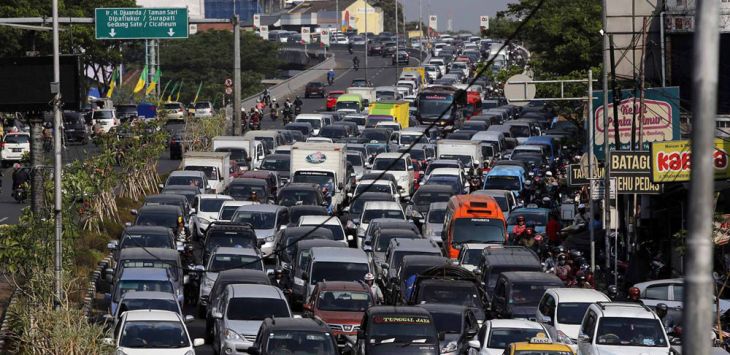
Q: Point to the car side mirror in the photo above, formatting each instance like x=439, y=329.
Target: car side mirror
x=113, y=245
x=584, y=338
x=216, y=314
x=133, y=212
x=474, y=344
x=305, y=276
x=193, y=211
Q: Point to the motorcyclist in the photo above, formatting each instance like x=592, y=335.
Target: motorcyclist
x=297, y=105
x=634, y=295
x=253, y=197
x=667, y=320
x=355, y=63
x=581, y=218
x=287, y=112
x=281, y=282
x=20, y=176
x=331, y=76
x=274, y=109
x=349, y=47
x=519, y=229
x=255, y=118
x=563, y=270
x=375, y=291
x=612, y=293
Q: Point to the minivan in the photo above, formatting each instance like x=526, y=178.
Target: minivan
x=335, y=264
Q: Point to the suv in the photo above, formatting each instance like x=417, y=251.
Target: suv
x=448, y=284
x=151, y=331
x=564, y=308
x=75, y=128
x=221, y=234
x=397, y=249
x=457, y=323
x=621, y=328
x=410, y=267
x=314, y=88
x=293, y=336
x=378, y=245
x=205, y=210
x=497, y=259
x=300, y=264
x=518, y=293
x=391, y=330
x=340, y=304
x=300, y=193
x=13, y=147
x=335, y=264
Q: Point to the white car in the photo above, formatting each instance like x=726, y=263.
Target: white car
x=327, y=222
x=153, y=331
x=470, y=254
x=622, y=328
x=377, y=209
x=104, y=120
x=228, y=258
x=398, y=166
x=174, y=110
x=203, y=109
x=563, y=308
x=495, y=335
x=319, y=140
x=670, y=292
x=229, y=207
x=206, y=208
x=14, y=146
x=448, y=172
x=385, y=186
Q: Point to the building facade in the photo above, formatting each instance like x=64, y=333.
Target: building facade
x=363, y=17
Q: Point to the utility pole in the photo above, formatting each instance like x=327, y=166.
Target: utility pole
x=56, y=91
x=397, y=40
x=591, y=168
x=698, y=281
x=616, y=95
x=236, y=76
x=337, y=9
x=606, y=153
x=366, y=39
x=420, y=28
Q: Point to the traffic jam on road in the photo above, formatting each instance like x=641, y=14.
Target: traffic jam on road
x=427, y=216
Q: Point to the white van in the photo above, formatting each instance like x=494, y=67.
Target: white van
x=316, y=120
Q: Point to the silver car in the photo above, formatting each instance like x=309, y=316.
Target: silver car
x=434, y=222
x=228, y=258
x=266, y=220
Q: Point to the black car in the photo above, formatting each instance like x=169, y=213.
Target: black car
x=423, y=198
x=286, y=239
x=222, y=234
x=402, y=57
x=297, y=194
x=314, y=88
x=163, y=216
x=75, y=128
x=304, y=210
x=498, y=259
x=294, y=336
x=351, y=215
x=176, y=144
x=126, y=113
x=518, y=293
x=335, y=132
x=242, y=188
x=410, y=267
x=304, y=127
x=388, y=49
x=185, y=190
x=278, y=163
x=457, y=323
x=449, y=284
x=375, y=48
x=394, y=330
x=143, y=237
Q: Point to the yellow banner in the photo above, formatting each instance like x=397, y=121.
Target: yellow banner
x=670, y=160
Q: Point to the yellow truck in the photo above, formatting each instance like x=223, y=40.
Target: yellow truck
x=421, y=71
x=397, y=109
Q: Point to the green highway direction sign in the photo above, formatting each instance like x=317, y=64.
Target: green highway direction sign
x=141, y=23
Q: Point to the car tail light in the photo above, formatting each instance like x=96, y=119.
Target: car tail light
x=2, y=145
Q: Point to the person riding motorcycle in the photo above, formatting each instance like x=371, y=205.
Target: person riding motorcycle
x=255, y=119
x=21, y=176
x=581, y=218
x=356, y=63
x=274, y=109
x=519, y=229
x=634, y=295
x=375, y=291
x=298, y=105
x=563, y=270
x=668, y=321
x=287, y=112
x=331, y=76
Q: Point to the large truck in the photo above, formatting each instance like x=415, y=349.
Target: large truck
x=241, y=150
x=421, y=71
x=399, y=110
x=215, y=165
x=324, y=164
x=469, y=152
x=366, y=93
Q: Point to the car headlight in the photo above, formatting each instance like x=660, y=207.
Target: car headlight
x=231, y=335
x=562, y=338
x=269, y=239
x=203, y=222
x=298, y=281
x=450, y=347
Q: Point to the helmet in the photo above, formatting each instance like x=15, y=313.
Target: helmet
x=16, y=166
x=369, y=277
x=612, y=291
x=273, y=99
x=278, y=272
x=548, y=173
x=634, y=293
x=662, y=307
x=528, y=183
x=558, y=250
x=520, y=218
x=561, y=257
x=546, y=199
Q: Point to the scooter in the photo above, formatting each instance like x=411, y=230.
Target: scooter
x=297, y=110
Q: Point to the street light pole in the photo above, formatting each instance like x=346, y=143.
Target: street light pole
x=397, y=40
x=56, y=90
x=366, y=40
x=420, y=28
x=236, y=76
x=607, y=181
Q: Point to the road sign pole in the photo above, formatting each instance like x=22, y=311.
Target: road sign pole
x=236, y=76
x=589, y=119
x=57, y=169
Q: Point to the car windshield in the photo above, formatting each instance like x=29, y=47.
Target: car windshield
x=417, y=154
x=172, y=106
x=210, y=172
x=17, y=138
x=156, y=304
x=472, y=257
x=500, y=338
x=343, y=301
x=487, y=151
x=402, y=328
x=502, y=202
x=384, y=241
x=200, y=105
x=571, y=313
x=211, y=204
x=502, y=182
x=336, y=230
x=371, y=214
x=267, y=141
x=391, y=164
x=142, y=285
x=357, y=205
x=478, y=230
x=258, y=308
x=315, y=122
x=321, y=179
x=537, y=219
x=466, y=160
x=290, y=197
x=377, y=136
x=375, y=149
x=222, y=262
x=347, y=105
x=153, y=334
x=185, y=180
x=295, y=214
x=527, y=294
x=227, y=212
x=275, y=164
x=519, y=131
x=355, y=159
x=157, y=219
x=449, y=323
x=259, y=220
x=630, y=332
x=449, y=293
x=300, y=342
x=436, y=216
x=238, y=155
x=433, y=166
x=372, y=187
x=452, y=181
x=146, y=241
x=222, y=238
x=338, y=271
x=411, y=139
x=424, y=199
x=434, y=108
x=243, y=192
x=359, y=120
x=373, y=120
x=333, y=132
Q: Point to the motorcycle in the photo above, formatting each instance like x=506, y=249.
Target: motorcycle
x=20, y=194
x=297, y=110
x=274, y=113
x=349, y=49
x=286, y=115
x=356, y=66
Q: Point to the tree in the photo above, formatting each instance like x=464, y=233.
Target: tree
x=388, y=7
x=207, y=57
x=563, y=36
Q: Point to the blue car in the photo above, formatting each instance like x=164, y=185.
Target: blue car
x=142, y=279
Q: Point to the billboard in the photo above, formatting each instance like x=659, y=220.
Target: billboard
x=670, y=161
x=632, y=171
x=660, y=123
x=27, y=83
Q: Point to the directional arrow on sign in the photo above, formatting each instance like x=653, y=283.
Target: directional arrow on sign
x=171, y=33
x=112, y=33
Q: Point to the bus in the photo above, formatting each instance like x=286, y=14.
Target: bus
x=472, y=219
x=443, y=105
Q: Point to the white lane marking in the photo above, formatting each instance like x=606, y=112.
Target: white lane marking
x=3, y=219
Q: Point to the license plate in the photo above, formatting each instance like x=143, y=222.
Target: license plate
x=17, y=150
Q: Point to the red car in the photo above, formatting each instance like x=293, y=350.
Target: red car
x=340, y=304
x=332, y=99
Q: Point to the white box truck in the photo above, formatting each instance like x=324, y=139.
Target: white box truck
x=367, y=94
x=469, y=152
x=324, y=164
x=240, y=150
x=215, y=165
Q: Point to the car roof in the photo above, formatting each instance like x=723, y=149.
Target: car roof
x=446, y=171
x=246, y=275
x=329, y=254
x=531, y=277
x=623, y=309
x=643, y=285
x=163, y=254
x=255, y=291
x=515, y=323
x=247, y=181
x=187, y=173
x=342, y=286
x=260, y=208
x=147, y=230
x=421, y=259
x=149, y=295
x=164, y=197
x=382, y=205
x=295, y=324
x=215, y=197
x=390, y=155
x=435, y=188
x=326, y=220
x=159, y=208
x=436, y=205
x=504, y=256
x=316, y=243
x=578, y=295
x=420, y=245
x=237, y=203
x=145, y=273
x=444, y=308
x=236, y=251
x=151, y=315
x=300, y=186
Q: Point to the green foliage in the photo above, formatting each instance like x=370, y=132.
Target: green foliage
x=208, y=57
x=563, y=36
x=388, y=7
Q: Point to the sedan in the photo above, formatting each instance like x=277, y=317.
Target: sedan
x=149, y=331
x=314, y=88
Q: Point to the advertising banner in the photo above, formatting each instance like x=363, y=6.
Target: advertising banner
x=632, y=171
x=670, y=161
x=660, y=123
